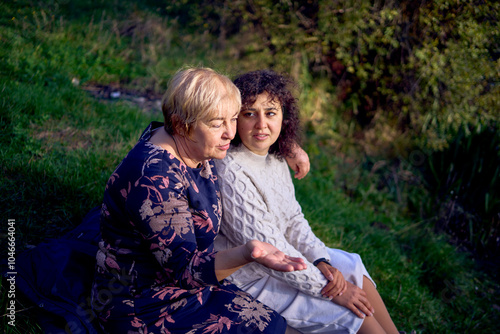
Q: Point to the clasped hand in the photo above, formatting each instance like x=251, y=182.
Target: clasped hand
x=336, y=283
x=344, y=293
x=271, y=257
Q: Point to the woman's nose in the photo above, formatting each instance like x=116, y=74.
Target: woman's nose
x=261, y=122
x=230, y=131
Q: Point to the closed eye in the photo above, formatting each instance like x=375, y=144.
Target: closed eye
x=216, y=125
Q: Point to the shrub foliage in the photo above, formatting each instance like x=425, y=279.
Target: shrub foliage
x=409, y=77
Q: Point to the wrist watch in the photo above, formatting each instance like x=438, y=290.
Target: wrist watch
x=321, y=260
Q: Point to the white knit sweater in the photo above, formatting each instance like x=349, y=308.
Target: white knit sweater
x=259, y=202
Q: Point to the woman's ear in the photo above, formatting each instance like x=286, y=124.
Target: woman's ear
x=178, y=126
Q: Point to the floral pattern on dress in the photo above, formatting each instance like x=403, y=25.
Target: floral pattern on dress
x=155, y=265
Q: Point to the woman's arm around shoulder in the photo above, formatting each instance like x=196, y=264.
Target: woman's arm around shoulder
x=299, y=162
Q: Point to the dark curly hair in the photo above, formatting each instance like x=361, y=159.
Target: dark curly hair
x=279, y=87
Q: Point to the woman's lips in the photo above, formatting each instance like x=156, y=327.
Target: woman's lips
x=261, y=136
x=224, y=147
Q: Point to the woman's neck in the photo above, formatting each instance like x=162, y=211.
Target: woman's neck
x=181, y=147
x=176, y=146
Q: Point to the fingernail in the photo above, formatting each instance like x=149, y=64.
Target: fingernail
x=340, y=294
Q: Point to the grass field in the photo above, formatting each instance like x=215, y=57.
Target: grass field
x=59, y=144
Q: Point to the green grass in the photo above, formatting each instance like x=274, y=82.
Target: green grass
x=60, y=150
x=427, y=284
x=58, y=146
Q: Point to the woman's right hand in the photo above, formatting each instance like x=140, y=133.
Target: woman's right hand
x=271, y=257
x=336, y=283
x=355, y=299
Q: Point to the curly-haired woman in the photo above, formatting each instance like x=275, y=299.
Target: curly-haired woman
x=335, y=294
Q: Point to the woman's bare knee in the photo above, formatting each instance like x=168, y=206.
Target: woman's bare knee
x=371, y=326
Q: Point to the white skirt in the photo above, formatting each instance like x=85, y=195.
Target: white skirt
x=311, y=314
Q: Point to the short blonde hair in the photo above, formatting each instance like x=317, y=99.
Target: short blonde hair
x=194, y=94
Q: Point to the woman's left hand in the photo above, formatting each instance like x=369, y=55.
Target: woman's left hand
x=337, y=284
x=271, y=257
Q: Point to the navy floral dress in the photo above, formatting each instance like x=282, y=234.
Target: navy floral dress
x=155, y=264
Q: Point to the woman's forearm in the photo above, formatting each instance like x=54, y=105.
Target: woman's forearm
x=229, y=260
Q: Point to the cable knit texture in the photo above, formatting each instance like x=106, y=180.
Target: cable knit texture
x=252, y=186
x=259, y=202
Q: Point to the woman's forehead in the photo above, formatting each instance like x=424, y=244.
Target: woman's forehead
x=227, y=107
x=265, y=98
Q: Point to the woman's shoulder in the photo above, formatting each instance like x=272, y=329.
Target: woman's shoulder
x=231, y=162
x=148, y=132
x=148, y=161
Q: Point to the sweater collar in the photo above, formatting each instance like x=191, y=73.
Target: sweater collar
x=249, y=156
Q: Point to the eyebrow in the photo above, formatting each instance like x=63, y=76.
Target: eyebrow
x=268, y=108
x=219, y=118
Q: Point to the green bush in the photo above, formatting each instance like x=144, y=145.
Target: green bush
x=427, y=68
x=401, y=77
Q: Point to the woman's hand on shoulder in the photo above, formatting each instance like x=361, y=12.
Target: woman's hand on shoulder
x=355, y=299
x=337, y=285
x=271, y=257
x=299, y=163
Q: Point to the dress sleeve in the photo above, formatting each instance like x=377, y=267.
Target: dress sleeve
x=159, y=207
x=246, y=216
